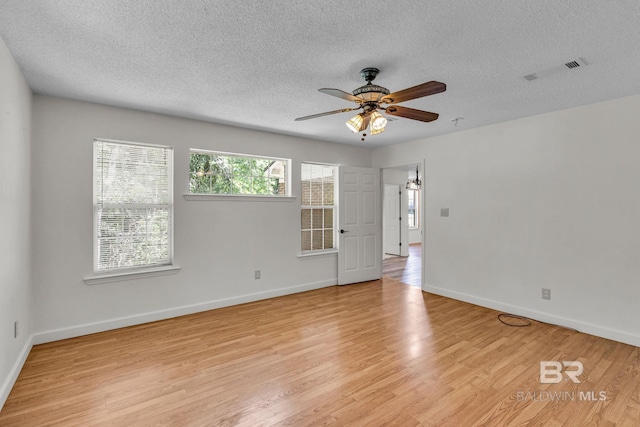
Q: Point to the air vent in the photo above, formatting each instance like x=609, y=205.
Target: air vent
x=576, y=63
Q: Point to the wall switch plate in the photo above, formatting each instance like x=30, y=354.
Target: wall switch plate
x=546, y=293
x=444, y=211
x=257, y=274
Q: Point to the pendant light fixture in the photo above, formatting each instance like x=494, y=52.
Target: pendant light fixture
x=414, y=183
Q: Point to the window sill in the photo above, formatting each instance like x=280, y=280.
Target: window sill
x=237, y=198
x=317, y=254
x=99, y=279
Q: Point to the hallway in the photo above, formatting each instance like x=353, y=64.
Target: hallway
x=408, y=270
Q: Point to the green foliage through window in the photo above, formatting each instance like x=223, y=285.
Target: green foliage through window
x=217, y=173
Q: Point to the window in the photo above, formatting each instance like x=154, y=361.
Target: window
x=133, y=205
x=413, y=197
x=318, y=207
x=225, y=173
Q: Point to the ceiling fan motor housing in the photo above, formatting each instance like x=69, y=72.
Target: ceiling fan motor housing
x=370, y=92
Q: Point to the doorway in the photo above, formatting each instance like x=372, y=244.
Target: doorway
x=403, y=259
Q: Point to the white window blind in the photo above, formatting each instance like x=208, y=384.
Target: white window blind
x=133, y=205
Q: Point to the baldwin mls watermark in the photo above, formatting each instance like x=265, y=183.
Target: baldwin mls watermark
x=555, y=372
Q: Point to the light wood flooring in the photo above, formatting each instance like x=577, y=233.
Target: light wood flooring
x=371, y=354
x=405, y=269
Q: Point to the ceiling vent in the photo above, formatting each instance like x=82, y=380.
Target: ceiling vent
x=571, y=65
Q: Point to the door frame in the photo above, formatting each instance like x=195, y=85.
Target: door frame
x=423, y=208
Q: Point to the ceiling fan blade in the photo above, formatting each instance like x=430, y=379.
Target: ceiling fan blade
x=425, y=89
x=410, y=113
x=328, y=113
x=341, y=94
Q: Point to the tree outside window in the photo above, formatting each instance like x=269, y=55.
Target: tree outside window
x=220, y=173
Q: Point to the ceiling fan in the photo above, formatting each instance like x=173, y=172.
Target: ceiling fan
x=370, y=99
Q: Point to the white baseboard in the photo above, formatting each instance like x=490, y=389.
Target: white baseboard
x=588, y=328
x=8, y=383
x=136, y=319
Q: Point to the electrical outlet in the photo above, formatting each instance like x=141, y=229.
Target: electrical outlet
x=257, y=274
x=546, y=293
x=15, y=329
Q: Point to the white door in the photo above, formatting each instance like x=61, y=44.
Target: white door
x=360, y=227
x=391, y=219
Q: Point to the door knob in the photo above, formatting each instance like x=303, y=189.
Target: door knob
x=343, y=231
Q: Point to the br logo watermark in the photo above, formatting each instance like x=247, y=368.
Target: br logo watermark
x=555, y=372
x=551, y=371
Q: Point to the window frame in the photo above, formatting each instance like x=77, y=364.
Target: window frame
x=255, y=196
x=416, y=209
x=333, y=207
x=101, y=275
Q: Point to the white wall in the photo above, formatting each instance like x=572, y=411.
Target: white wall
x=548, y=201
x=15, y=214
x=218, y=244
x=415, y=234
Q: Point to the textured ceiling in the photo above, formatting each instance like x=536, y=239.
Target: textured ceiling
x=259, y=64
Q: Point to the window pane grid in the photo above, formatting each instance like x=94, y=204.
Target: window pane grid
x=317, y=207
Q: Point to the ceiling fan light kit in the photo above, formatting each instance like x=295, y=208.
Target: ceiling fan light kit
x=370, y=98
x=355, y=123
x=378, y=123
